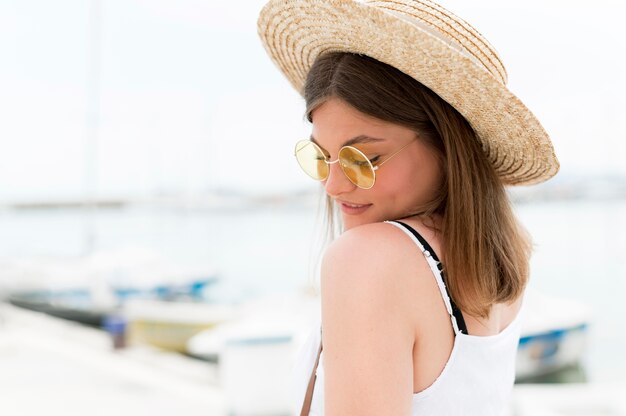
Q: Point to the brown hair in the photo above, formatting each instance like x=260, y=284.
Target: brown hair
x=486, y=249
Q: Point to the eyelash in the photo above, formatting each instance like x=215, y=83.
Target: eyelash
x=372, y=160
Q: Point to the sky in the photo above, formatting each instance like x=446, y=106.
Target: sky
x=186, y=100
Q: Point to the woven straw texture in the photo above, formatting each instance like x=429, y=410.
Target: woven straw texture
x=432, y=45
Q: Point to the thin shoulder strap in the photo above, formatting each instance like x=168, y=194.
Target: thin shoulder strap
x=458, y=323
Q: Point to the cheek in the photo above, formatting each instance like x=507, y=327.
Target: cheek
x=411, y=184
x=396, y=183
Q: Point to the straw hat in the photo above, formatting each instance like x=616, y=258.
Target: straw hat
x=429, y=43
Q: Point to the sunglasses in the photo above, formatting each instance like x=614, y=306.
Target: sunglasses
x=360, y=170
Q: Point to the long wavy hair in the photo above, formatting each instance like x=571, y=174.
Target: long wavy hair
x=486, y=250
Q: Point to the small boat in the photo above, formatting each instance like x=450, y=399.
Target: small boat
x=256, y=351
x=72, y=305
x=170, y=324
x=274, y=318
x=553, y=336
x=87, y=289
x=79, y=305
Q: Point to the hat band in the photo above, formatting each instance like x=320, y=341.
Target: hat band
x=449, y=35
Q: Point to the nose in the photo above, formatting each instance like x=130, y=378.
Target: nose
x=337, y=182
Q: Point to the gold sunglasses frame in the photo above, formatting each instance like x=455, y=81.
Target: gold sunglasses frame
x=330, y=162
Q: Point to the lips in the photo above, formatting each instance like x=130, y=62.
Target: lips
x=353, y=205
x=351, y=208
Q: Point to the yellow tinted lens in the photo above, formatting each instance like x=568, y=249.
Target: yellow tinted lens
x=311, y=159
x=357, y=167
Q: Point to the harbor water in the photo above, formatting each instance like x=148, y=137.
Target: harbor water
x=579, y=252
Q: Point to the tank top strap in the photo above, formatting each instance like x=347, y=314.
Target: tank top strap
x=458, y=323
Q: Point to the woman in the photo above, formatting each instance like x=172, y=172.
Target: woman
x=414, y=136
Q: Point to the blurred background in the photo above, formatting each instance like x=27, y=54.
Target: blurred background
x=158, y=242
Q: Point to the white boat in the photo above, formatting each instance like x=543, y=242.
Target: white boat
x=275, y=316
x=170, y=325
x=88, y=288
x=553, y=336
x=256, y=352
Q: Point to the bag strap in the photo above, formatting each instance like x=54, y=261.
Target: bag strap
x=306, y=406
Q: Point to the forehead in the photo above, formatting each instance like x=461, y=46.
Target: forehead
x=336, y=123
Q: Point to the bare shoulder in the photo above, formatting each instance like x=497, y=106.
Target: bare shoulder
x=366, y=244
x=370, y=242
x=363, y=263
x=377, y=267
x=367, y=334
x=379, y=243
x=375, y=254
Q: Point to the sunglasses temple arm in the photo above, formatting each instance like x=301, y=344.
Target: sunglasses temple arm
x=393, y=154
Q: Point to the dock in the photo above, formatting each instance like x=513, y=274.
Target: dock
x=50, y=366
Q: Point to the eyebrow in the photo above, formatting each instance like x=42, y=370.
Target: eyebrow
x=357, y=139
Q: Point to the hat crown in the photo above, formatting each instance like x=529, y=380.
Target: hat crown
x=449, y=28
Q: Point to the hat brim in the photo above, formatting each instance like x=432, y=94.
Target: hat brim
x=295, y=32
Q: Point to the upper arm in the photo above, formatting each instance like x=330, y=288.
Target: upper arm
x=367, y=333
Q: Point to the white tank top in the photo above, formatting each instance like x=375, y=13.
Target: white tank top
x=476, y=380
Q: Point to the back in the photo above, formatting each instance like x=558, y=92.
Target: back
x=476, y=380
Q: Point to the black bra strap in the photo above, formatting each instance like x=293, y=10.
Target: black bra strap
x=455, y=310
